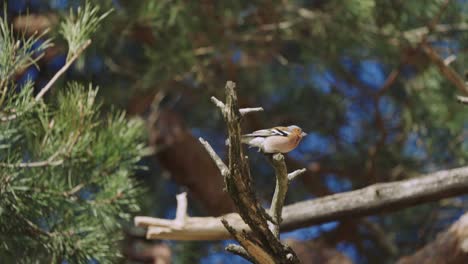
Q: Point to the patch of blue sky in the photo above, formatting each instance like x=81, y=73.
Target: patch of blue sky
x=117, y=5
x=317, y=143
x=337, y=184
x=17, y=6
x=311, y=232
x=360, y=110
x=371, y=72
x=86, y=194
x=297, y=74
x=56, y=63
x=350, y=251
x=357, y=113
x=321, y=80
x=413, y=147
x=387, y=107
x=216, y=140
x=35, y=46
x=271, y=100
x=349, y=134
x=236, y=55
x=348, y=63
x=30, y=74
x=95, y=63
x=63, y=4
x=446, y=47
x=390, y=111
x=170, y=212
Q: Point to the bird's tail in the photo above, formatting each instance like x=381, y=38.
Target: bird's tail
x=245, y=140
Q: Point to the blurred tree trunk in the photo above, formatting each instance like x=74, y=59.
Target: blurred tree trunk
x=450, y=247
x=189, y=164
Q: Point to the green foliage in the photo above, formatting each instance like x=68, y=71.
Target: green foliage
x=303, y=61
x=79, y=25
x=16, y=55
x=66, y=183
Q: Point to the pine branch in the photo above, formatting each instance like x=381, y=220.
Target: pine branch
x=62, y=70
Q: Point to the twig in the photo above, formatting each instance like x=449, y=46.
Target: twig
x=62, y=70
x=219, y=162
x=294, y=174
x=416, y=33
x=51, y=161
x=32, y=164
x=462, y=99
x=245, y=111
x=450, y=59
x=181, y=213
x=238, y=250
x=280, y=192
x=219, y=104
x=74, y=190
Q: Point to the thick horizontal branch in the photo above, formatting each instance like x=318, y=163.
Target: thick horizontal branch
x=374, y=199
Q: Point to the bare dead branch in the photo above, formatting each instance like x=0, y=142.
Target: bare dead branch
x=239, y=185
x=281, y=189
x=294, y=174
x=378, y=198
x=244, y=111
x=219, y=162
x=219, y=104
x=181, y=212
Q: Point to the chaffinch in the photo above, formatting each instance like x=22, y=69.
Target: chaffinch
x=275, y=140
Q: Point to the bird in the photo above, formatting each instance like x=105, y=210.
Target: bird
x=275, y=140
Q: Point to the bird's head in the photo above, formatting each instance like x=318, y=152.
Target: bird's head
x=297, y=130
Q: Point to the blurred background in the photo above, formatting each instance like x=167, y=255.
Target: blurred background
x=355, y=75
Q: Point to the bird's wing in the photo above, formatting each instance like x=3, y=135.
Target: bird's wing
x=276, y=131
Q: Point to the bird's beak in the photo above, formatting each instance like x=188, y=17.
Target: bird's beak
x=303, y=134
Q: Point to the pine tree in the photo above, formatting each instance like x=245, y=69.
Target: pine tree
x=65, y=170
